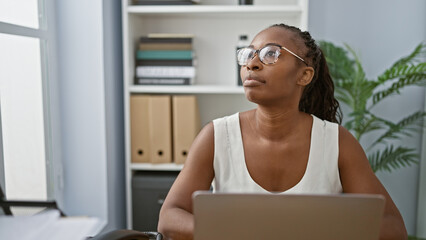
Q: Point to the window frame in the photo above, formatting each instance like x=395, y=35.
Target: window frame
x=47, y=38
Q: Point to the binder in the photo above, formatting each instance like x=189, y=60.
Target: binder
x=139, y=129
x=160, y=133
x=186, y=125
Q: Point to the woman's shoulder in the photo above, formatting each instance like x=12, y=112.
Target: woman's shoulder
x=345, y=137
x=350, y=150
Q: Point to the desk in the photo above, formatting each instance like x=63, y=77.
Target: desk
x=49, y=225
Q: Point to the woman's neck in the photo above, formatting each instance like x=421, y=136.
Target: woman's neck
x=276, y=124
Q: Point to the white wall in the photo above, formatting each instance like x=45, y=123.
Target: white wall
x=381, y=31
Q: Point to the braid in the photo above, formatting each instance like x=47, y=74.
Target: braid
x=318, y=96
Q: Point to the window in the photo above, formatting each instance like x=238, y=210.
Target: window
x=25, y=50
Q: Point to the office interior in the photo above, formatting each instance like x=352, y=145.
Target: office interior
x=87, y=102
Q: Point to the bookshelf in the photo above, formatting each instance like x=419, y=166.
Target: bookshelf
x=156, y=167
x=216, y=25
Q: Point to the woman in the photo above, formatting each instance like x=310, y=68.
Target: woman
x=268, y=149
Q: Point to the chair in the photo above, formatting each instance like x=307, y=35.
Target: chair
x=124, y=234
x=6, y=205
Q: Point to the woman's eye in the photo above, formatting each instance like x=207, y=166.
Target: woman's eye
x=270, y=53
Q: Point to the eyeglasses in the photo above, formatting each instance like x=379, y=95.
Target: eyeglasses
x=268, y=54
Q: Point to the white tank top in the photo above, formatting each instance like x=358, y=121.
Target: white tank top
x=230, y=169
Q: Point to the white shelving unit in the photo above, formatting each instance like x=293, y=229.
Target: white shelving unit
x=156, y=167
x=216, y=25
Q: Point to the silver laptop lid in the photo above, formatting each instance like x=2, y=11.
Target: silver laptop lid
x=271, y=216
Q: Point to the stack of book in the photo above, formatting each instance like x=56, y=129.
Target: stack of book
x=165, y=2
x=165, y=59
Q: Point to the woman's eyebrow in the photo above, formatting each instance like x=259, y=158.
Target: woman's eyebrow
x=274, y=44
x=267, y=44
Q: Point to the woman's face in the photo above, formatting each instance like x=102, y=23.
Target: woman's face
x=278, y=83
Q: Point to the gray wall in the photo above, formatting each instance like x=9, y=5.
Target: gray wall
x=381, y=31
x=114, y=114
x=82, y=88
x=2, y=174
x=90, y=86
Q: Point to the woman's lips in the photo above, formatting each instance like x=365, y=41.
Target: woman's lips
x=252, y=82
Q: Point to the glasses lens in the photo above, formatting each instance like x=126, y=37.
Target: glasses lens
x=269, y=54
x=244, y=55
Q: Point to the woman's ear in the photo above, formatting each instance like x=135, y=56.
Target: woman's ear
x=307, y=75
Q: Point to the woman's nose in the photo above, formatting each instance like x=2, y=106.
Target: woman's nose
x=254, y=63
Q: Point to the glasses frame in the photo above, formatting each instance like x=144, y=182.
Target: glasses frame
x=258, y=50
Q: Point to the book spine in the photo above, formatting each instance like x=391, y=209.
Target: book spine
x=165, y=46
x=164, y=40
x=163, y=81
x=166, y=54
x=170, y=35
x=164, y=62
x=163, y=3
x=157, y=71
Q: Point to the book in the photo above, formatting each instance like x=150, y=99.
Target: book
x=165, y=71
x=163, y=81
x=163, y=62
x=166, y=2
x=170, y=35
x=165, y=46
x=164, y=40
x=164, y=54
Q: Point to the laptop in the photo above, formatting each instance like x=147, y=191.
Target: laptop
x=234, y=216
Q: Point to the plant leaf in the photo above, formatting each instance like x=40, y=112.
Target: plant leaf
x=412, y=123
x=338, y=61
x=391, y=158
x=411, y=79
x=402, y=71
x=415, y=238
x=417, y=55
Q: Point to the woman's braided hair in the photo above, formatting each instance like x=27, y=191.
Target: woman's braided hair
x=318, y=96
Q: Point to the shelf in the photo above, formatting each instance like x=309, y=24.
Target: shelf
x=216, y=26
x=194, y=89
x=156, y=167
x=214, y=10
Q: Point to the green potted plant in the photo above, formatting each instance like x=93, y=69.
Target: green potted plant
x=363, y=95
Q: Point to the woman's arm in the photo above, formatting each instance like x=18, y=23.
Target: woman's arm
x=176, y=219
x=357, y=176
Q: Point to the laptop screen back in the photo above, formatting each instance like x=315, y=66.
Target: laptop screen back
x=270, y=216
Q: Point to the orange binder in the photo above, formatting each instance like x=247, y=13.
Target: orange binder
x=186, y=125
x=139, y=129
x=160, y=128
